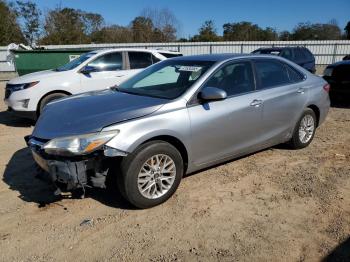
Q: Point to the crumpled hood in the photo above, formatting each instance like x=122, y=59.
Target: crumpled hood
x=90, y=112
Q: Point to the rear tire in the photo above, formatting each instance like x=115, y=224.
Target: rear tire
x=49, y=98
x=150, y=175
x=304, y=130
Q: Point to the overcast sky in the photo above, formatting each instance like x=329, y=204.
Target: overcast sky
x=279, y=14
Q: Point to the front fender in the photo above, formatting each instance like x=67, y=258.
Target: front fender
x=133, y=133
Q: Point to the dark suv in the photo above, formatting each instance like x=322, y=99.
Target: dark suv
x=338, y=76
x=299, y=55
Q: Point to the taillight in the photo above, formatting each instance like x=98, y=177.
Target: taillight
x=327, y=87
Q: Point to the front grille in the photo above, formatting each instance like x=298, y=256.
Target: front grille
x=7, y=93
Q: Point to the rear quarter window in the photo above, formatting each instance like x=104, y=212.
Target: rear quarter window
x=294, y=75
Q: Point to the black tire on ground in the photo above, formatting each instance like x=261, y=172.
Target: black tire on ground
x=49, y=98
x=130, y=166
x=295, y=141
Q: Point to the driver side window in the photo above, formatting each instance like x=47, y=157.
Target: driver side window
x=108, y=62
x=236, y=78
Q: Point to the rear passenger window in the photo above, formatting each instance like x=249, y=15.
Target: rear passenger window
x=236, y=78
x=271, y=73
x=293, y=75
x=139, y=59
x=300, y=56
x=287, y=54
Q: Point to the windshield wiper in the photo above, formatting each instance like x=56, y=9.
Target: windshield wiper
x=117, y=89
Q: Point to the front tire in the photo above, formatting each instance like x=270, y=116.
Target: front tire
x=304, y=130
x=49, y=98
x=150, y=175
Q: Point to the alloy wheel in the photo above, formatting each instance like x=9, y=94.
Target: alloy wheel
x=306, y=129
x=156, y=176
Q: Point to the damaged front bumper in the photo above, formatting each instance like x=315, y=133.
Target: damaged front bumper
x=70, y=173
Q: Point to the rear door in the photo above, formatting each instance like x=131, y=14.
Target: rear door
x=110, y=71
x=231, y=126
x=284, y=97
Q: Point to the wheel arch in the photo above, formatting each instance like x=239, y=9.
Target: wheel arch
x=316, y=110
x=174, y=142
x=50, y=93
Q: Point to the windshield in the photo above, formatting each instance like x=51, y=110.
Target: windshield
x=76, y=62
x=167, y=79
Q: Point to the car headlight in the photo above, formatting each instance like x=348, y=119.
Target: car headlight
x=78, y=145
x=328, y=71
x=17, y=87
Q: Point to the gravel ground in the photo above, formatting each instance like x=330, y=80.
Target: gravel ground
x=275, y=205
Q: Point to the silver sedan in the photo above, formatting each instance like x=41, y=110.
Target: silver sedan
x=174, y=118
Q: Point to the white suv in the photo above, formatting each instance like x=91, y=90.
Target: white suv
x=27, y=95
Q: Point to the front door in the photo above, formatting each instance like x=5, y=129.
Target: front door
x=110, y=71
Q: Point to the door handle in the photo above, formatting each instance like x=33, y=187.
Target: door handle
x=119, y=75
x=256, y=102
x=301, y=90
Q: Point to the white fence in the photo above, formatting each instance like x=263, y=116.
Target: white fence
x=325, y=51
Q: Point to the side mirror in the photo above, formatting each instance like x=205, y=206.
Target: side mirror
x=212, y=94
x=88, y=69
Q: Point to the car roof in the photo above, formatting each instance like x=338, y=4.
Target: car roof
x=166, y=51
x=211, y=57
x=271, y=48
x=107, y=50
x=224, y=57
x=343, y=62
x=206, y=57
x=279, y=48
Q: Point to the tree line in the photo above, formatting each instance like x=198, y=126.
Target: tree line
x=247, y=31
x=23, y=22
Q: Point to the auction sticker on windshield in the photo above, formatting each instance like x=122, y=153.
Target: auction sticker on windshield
x=190, y=68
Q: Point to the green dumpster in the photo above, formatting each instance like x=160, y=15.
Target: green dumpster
x=29, y=61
